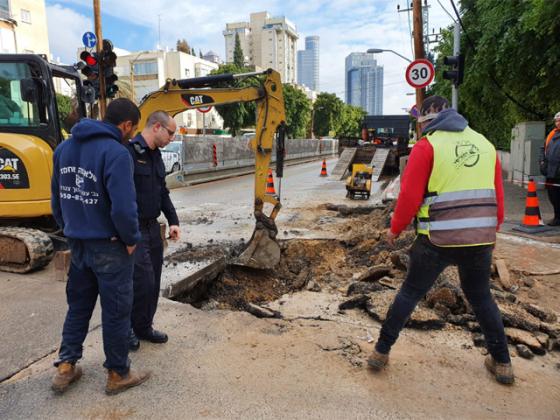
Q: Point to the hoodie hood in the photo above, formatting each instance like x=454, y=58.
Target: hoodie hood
x=88, y=129
x=447, y=120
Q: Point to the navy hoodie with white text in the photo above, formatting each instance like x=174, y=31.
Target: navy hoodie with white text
x=93, y=194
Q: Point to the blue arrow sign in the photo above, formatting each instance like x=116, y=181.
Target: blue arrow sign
x=89, y=39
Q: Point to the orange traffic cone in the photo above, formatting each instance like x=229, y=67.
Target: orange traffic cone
x=532, y=212
x=270, y=183
x=324, y=168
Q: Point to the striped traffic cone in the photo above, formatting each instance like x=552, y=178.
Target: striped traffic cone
x=324, y=168
x=532, y=220
x=270, y=184
x=532, y=212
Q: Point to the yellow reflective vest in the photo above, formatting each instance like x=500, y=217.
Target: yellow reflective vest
x=459, y=208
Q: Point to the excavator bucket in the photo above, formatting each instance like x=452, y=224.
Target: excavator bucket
x=262, y=252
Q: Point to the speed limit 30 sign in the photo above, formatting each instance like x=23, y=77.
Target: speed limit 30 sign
x=420, y=73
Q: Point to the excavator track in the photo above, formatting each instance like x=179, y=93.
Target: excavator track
x=24, y=249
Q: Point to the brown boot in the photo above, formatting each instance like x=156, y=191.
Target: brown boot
x=117, y=383
x=503, y=372
x=66, y=374
x=377, y=361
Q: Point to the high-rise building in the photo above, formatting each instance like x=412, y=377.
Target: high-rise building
x=364, y=83
x=308, y=64
x=23, y=27
x=267, y=42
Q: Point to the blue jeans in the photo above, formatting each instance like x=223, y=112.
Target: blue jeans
x=148, y=261
x=427, y=261
x=99, y=267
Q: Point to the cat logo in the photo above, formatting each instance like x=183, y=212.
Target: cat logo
x=195, y=100
x=9, y=165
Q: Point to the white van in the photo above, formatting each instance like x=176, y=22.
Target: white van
x=172, y=156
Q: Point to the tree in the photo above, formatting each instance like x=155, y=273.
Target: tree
x=327, y=114
x=193, y=52
x=183, y=46
x=238, y=58
x=298, y=111
x=200, y=54
x=351, y=124
x=511, y=61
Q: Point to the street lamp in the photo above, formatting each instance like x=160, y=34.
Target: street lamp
x=379, y=50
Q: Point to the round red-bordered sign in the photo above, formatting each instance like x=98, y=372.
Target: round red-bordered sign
x=204, y=109
x=420, y=73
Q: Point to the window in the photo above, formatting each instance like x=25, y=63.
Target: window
x=145, y=68
x=187, y=72
x=19, y=96
x=25, y=16
x=5, y=9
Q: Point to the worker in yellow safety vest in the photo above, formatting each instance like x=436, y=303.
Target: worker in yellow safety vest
x=452, y=186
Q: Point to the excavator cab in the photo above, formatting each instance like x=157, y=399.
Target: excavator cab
x=30, y=130
x=262, y=252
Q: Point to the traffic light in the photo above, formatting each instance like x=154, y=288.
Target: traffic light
x=457, y=64
x=89, y=66
x=109, y=62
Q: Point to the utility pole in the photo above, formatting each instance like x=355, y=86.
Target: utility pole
x=418, y=52
x=456, y=52
x=99, y=47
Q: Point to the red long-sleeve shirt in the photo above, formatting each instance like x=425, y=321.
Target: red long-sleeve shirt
x=414, y=184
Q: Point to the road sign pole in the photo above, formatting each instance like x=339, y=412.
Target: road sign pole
x=102, y=98
x=456, y=52
x=418, y=52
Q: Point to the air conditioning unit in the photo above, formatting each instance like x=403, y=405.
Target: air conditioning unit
x=526, y=140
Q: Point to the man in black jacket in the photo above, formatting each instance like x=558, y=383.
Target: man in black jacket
x=152, y=198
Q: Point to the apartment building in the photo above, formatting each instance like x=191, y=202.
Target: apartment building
x=23, y=27
x=267, y=42
x=364, y=82
x=147, y=71
x=308, y=63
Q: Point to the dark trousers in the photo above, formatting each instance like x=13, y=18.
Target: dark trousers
x=554, y=196
x=104, y=268
x=427, y=261
x=148, y=260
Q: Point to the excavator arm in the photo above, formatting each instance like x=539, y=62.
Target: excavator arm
x=180, y=95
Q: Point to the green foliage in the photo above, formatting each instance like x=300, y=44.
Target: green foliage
x=64, y=106
x=352, y=117
x=298, y=111
x=515, y=44
x=238, y=58
x=328, y=110
x=193, y=52
x=183, y=46
x=200, y=53
x=240, y=115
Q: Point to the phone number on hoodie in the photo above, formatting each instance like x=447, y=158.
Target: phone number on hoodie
x=77, y=197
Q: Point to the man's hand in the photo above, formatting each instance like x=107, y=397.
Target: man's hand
x=174, y=232
x=390, y=237
x=130, y=249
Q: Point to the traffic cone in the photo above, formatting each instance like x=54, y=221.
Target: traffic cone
x=324, y=168
x=270, y=183
x=532, y=221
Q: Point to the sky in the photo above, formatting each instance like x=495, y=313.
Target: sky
x=344, y=26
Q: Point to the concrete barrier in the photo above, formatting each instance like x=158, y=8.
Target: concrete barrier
x=234, y=157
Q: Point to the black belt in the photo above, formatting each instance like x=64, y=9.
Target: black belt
x=144, y=223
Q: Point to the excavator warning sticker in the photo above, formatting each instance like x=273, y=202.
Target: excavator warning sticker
x=13, y=174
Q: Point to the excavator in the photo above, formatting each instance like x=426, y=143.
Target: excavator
x=176, y=96
x=30, y=130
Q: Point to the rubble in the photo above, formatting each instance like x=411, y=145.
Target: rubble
x=517, y=336
x=375, y=273
x=359, y=301
x=261, y=312
x=524, y=351
x=543, y=314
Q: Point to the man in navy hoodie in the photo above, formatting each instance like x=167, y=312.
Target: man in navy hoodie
x=93, y=200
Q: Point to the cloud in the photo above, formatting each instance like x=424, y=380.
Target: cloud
x=66, y=28
x=344, y=26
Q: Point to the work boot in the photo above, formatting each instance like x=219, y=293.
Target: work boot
x=66, y=374
x=154, y=336
x=377, y=361
x=503, y=372
x=117, y=383
x=133, y=342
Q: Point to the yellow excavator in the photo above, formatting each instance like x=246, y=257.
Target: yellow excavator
x=30, y=130
x=176, y=96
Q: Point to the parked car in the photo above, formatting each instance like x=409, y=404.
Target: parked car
x=171, y=155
